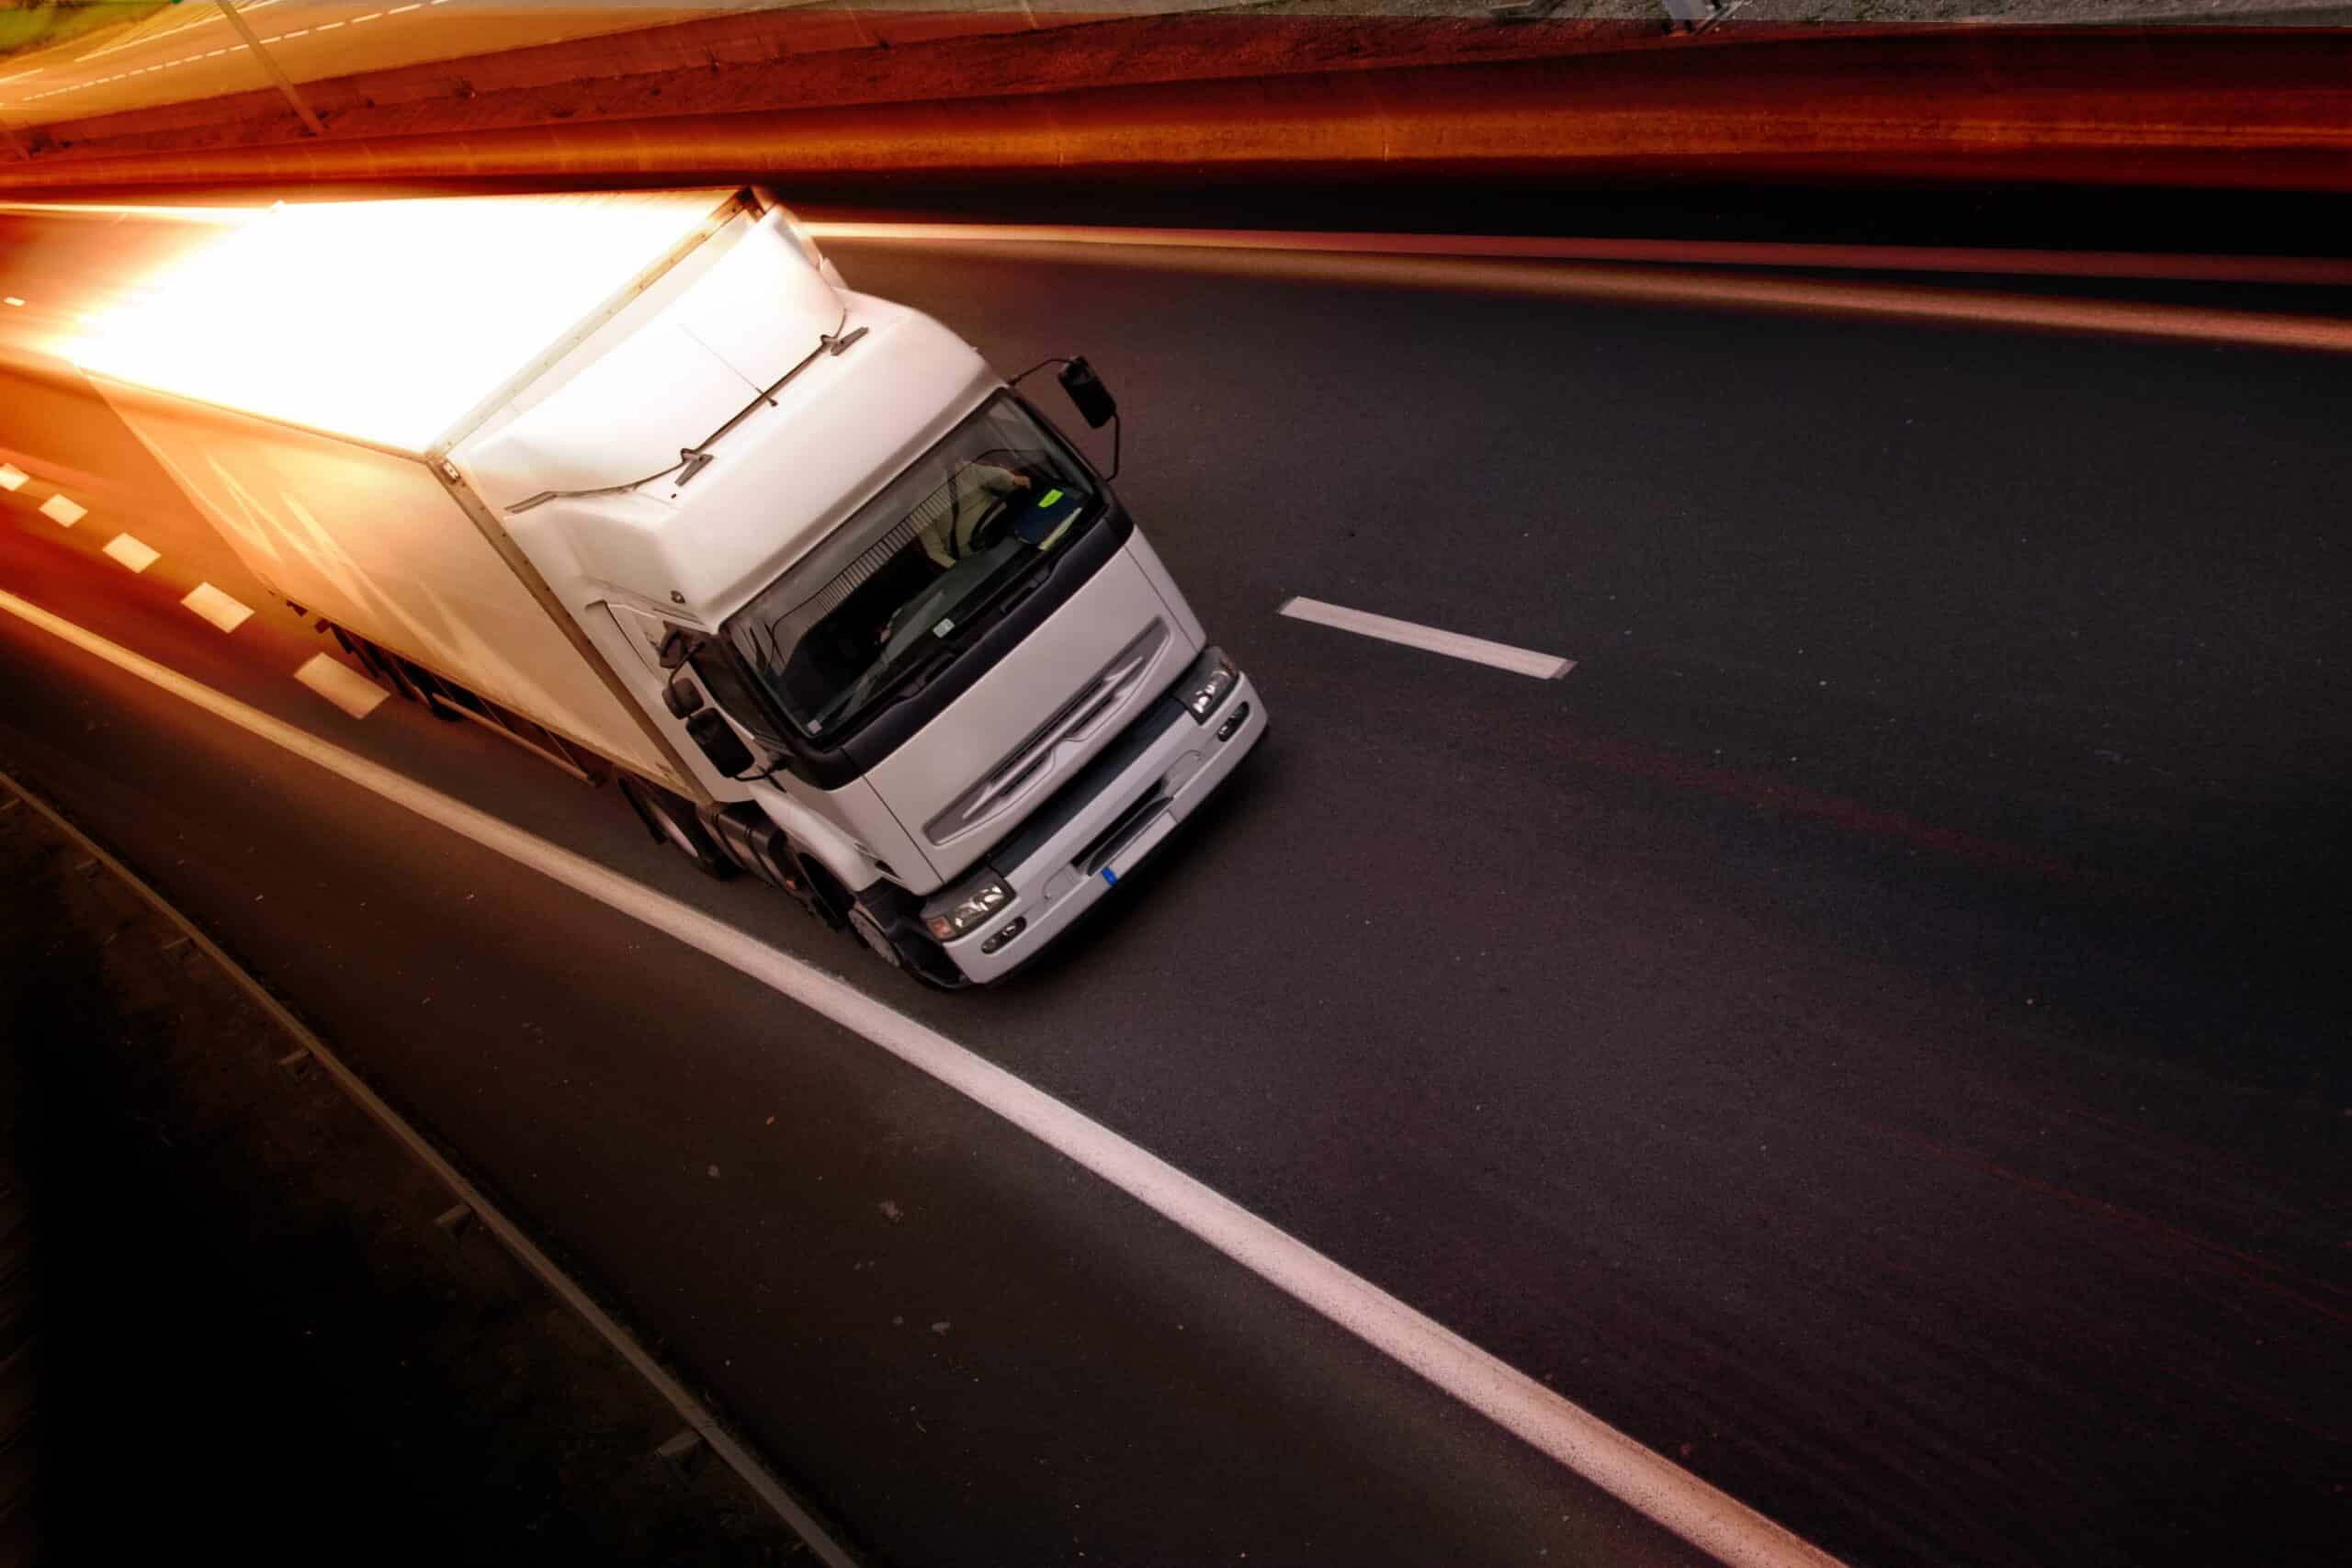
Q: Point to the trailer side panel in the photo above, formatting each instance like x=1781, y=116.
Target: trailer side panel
x=398, y=560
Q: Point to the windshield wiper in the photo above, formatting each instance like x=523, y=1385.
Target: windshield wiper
x=919, y=674
x=906, y=679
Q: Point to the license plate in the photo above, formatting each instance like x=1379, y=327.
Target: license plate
x=1139, y=847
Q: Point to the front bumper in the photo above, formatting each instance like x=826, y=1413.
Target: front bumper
x=1072, y=852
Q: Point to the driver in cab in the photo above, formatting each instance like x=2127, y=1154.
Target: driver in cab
x=948, y=517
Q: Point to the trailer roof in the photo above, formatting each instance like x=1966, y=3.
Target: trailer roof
x=386, y=320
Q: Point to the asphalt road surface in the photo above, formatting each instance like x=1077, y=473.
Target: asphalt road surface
x=1873, y=1030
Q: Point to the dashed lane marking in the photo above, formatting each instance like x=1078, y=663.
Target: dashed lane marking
x=136, y=554
x=64, y=511
x=1712, y=1520
x=340, y=684
x=12, y=477
x=216, y=607
x=1453, y=645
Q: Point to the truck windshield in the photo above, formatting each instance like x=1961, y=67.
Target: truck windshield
x=876, y=610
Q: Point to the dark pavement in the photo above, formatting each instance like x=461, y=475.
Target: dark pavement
x=1870, y=1032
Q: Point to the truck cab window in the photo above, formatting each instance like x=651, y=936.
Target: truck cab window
x=725, y=684
x=830, y=641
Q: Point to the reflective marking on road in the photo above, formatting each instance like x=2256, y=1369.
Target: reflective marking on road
x=12, y=477
x=517, y=1242
x=1528, y=269
x=340, y=684
x=1453, y=645
x=216, y=607
x=2324, y=271
x=1711, y=1520
x=136, y=554
x=64, y=511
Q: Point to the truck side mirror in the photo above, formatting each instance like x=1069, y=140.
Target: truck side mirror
x=681, y=696
x=1088, y=394
x=719, y=742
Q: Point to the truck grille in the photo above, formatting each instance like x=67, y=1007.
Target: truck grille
x=1060, y=742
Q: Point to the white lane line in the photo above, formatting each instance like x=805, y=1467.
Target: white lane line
x=516, y=1241
x=1536, y=269
x=12, y=300
x=340, y=684
x=12, y=478
x=2210, y=268
x=64, y=511
x=133, y=553
x=1711, y=1520
x=1477, y=649
x=216, y=607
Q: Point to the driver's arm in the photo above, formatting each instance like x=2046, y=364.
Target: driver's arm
x=956, y=509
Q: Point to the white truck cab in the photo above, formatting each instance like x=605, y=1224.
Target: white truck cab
x=884, y=635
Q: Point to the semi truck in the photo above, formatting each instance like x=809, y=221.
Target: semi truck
x=636, y=482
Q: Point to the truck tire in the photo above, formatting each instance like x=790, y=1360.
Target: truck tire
x=378, y=665
x=869, y=931
x=885, y=918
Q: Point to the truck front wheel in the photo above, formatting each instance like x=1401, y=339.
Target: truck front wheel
x=886, y=920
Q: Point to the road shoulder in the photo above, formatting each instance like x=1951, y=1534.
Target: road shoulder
x=217, y=1239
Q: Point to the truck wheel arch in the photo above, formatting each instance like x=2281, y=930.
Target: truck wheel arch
x=819, y=842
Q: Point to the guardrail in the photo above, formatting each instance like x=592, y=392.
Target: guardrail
x=1160, y=98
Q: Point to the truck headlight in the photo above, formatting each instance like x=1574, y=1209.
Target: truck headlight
x=969, y=910
x=1213, y=689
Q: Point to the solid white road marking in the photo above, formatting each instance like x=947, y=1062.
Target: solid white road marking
x=1477, y=649
x=12, y=477
x=1711, y=1520
x=64, y=511
x=1542, y=269
x=136, y=554
x=525, y=1250
x=340, y=684
x=2322, y=271
x=216, y=607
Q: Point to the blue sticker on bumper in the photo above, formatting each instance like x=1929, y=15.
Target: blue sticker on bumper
x=1110, y=877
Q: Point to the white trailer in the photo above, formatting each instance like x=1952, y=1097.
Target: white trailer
x=636, y=481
